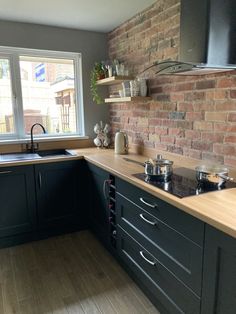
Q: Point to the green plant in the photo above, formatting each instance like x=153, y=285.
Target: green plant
x=97, y=73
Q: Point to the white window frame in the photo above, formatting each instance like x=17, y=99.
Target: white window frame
x=13, y=54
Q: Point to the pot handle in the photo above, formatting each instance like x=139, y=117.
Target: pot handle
x=226, y=178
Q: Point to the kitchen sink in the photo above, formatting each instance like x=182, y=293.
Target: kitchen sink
x=54, y=153
x=19, y=156
x=38, y=155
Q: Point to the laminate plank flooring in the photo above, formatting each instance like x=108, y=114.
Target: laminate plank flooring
x=68, y=274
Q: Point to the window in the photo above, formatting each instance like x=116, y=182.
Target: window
x=39, y=86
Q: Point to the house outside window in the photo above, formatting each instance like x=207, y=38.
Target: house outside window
x=38, y=86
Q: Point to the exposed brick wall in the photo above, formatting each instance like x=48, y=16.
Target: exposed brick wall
x=193, y=116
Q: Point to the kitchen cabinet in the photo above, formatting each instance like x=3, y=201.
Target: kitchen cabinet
x=161, y=247
x=98, y=197
x=219, y=274
x=59, y=193
x=17, y=197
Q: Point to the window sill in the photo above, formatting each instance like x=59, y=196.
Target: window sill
x=44, y=139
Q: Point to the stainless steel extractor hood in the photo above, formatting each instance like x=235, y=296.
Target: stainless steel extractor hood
x=207, y=38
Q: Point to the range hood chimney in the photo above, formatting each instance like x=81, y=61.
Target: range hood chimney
x=207, y=38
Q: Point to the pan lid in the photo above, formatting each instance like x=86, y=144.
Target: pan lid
x=216, y=169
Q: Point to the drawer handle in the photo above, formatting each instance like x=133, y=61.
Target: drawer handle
x=146, y=203
x=153, y=223
x=146, y=259
x=5, y=172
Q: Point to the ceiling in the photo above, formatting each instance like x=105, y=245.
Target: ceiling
x=93, y=15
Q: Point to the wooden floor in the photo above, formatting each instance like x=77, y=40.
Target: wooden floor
x=68, y=274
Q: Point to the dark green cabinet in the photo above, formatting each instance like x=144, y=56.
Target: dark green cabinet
x=219, y=273
x=161, y=248
x=17, y=199
x=59, y=195
x=99, y=216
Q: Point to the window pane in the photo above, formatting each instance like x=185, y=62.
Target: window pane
x=6, y=108
x=48, y=94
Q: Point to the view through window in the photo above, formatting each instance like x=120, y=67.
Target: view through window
x=46, y=90
x=6, y=103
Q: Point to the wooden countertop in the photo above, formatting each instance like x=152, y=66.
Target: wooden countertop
x=215, y=208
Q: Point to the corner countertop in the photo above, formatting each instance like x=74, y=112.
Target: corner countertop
x=215, y=208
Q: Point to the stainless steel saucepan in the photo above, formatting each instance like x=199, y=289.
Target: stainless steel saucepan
x=159, y=168
x=216, y=175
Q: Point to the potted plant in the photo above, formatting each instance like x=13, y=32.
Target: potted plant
x=97, y=73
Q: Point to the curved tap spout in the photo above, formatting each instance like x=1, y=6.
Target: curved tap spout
x=32, y=146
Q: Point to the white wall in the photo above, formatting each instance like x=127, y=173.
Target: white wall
x=92, y=46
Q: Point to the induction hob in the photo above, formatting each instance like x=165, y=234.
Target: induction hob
x=183, y=183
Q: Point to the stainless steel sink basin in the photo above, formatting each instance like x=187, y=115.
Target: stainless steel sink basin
x=18, y=156
x=40, y=154
x=54, y=153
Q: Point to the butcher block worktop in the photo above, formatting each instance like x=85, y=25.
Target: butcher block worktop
x=215, y=208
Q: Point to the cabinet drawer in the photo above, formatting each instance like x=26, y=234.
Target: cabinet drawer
x=184, y=223
x=155, y=278
x=179, y=254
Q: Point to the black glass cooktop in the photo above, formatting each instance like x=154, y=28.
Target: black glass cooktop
x=183, y=183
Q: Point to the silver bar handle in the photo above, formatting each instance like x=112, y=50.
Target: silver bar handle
x=153, y=223
x=5, y=172
x=105, y=183
x=146, y=203
x=146, y=259
x=40, y=180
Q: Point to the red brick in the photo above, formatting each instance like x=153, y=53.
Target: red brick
x=202, y=145
x=192, y=153
x=220, y=127
x=226, y=106
x=183, y=142
x=154, y=137
x=193, y=116
x=154, y=122
x=185, y=106
x=176, y=97
x=175, y=149
x=216, y=116
x=161, y=131
x=162, y=114
x=213, y=157
x=194, y=96
x=213, y=137
x=230, y=161
x=184, y=86
x=225, y=82
x=231, y=128
x=185, y=124
x=204, y=106
x=233, y=93
x=161, y=146
x=224, y=149
x=202, y=125
x=176, y=132
x=230, y=139
x=205, y=84
x=192, y=134
x=167, y=139
x=232, y=117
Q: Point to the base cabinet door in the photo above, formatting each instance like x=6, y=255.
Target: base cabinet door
x=219, y=273
x=58, y=195
x=99, y=216
x=17, y=199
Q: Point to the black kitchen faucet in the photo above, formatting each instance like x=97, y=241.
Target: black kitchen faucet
x=32, y=147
